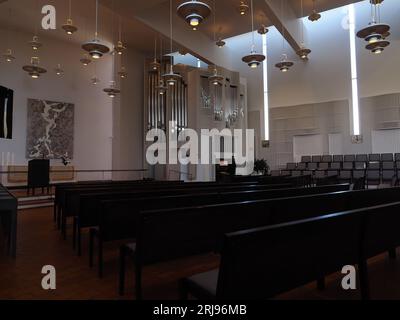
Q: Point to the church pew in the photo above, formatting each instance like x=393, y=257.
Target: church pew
x=162, y=233
x=265, y=262
x=117, y=218
x=59, y=196
x=8, y=211
x=84, y=201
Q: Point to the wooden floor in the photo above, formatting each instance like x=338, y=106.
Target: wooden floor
x=39, y=244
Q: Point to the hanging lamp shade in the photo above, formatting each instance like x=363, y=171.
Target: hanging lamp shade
x=161, y=88
x=35, y=44
x=263, y=30
x=378, y=46
x=314, y=16
x=303, y=53
x=69, y=27
x=34, y=70
x=112, y=90
x=254, y=59
x=122, y=73
x=243, y=8
x=194, y=12
x=85, y=60
x=171, y=78
x=220, y=43
x=8, y=56
x=58, y=70
x=376, y=32
x=284, y=65
x=216, y=78
x=119, y=48
x=95, y=47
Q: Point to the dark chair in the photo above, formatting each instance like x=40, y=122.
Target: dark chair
x=388, y=165
x=374, y=165
x=359, y=184
x=361, y=158
x=312, y=166
x=301, y=166
x=316, y=158
x=373, y=177
x=291, y=166
x=360, y=165
x=357, y=174
x=285, y=173
x=320, y=174
x=349, y=158
x=387, y=157
x=348, y=165
x=397, y=157
x=387, y=176
x=374, y=157
x=331, y=173
x=326, y=158
x=306, y=159
x=338, y=158
x=323, y=166
x=336, y=165
x=345, y=176
x=275, y=173
x=296, y=173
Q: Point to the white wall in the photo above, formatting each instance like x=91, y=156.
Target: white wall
x=128, y=117
x=108, y=133
x=326, y=76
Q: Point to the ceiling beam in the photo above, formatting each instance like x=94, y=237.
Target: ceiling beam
x=285, y=20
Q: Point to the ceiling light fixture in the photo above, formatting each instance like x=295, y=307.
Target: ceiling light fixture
x=243, y=8
x=216, y=79
x=171, y=78
x=69, y=27
x=33, y=69
x=284, y=65
x=94, y=79
x=220, y=43
x=120, y=48
x=263, y=30
x=35, y=44
x=85, y=60
x=194, y=12
x=8, y=56
x=112, y=90
x=254, y=59
x=303, y=52
x=122, y=73
x=314, y=16
x=155, y=65
x=161, y=88
x=95, y=48
x=376, y=32
x=58, y=70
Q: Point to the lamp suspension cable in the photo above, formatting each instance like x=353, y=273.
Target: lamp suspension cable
x=252, y=25
x=70, y=9
x=97, y=19
x=302, y=24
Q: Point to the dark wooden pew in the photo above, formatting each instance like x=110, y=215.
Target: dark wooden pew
x=173, y=233
x=117, y=217
x=9, y=211
x=265, y=262
x=73, y=197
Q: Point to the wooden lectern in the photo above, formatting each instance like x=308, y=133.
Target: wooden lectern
x=38, y=175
